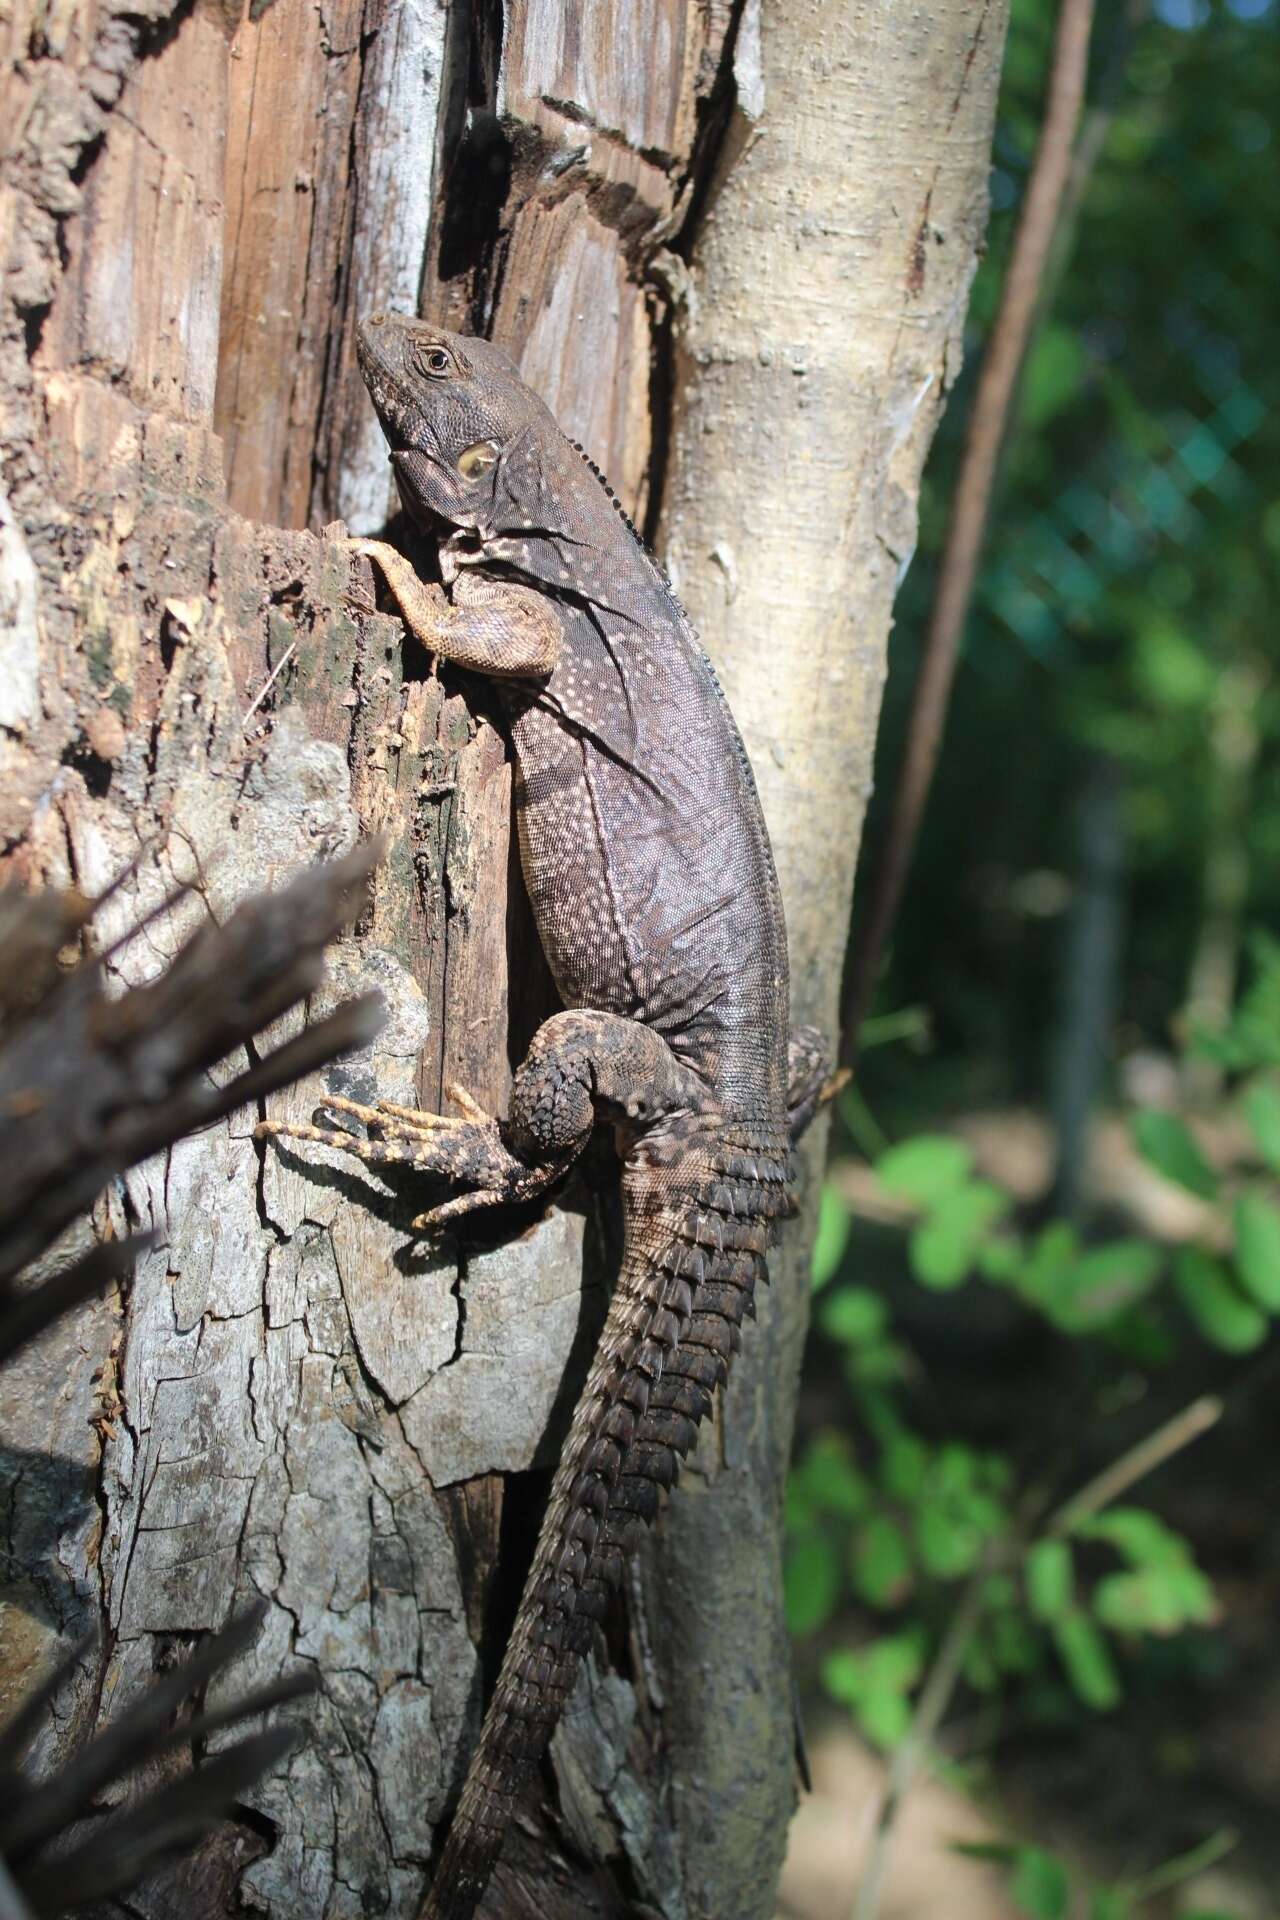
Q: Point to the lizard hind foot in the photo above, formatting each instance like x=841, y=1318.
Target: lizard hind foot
x=469, y=1152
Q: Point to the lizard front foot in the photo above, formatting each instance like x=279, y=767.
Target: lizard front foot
x=469, y=1152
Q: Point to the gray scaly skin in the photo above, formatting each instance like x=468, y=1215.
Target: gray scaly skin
x=653, y=886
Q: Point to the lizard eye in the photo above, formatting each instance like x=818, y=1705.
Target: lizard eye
x=473, y=461
x=434, y=360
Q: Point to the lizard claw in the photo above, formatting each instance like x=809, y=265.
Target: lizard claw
x=357, y=593
x=469, y=1108
x=437, y=1219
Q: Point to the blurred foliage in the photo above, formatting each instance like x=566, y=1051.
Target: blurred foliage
x=898, y=1521
x=1127, y=604
x=1044, y=1887
x=1123, y=635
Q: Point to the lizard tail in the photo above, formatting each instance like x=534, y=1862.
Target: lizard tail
x=694, y=1252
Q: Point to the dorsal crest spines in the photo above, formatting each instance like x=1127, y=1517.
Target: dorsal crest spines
x=628, y=523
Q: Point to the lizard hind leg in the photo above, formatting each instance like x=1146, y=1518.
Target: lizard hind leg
x=811, y=1081
x=470, y=1152
x=582, y=1066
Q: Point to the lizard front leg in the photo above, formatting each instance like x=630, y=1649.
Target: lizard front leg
x=492, y=626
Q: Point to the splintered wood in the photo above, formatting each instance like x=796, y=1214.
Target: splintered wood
x=199, y=207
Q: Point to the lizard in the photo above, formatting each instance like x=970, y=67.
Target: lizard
x=652, y=881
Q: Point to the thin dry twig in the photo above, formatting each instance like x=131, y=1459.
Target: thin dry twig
x=1136, y=1464
x=935, y=1697
x=268, y=683
x=992, y=406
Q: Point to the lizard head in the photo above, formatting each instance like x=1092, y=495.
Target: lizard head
x=451, y=408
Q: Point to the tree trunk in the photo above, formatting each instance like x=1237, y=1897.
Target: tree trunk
x=293, y=1399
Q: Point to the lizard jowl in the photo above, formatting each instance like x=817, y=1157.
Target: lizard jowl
x=649, y=869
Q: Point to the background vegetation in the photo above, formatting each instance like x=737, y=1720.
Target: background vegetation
x=1035, y=1490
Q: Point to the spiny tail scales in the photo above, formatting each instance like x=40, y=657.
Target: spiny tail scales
x=697, y=1234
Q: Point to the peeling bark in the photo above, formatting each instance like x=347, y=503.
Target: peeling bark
x=293, y=1398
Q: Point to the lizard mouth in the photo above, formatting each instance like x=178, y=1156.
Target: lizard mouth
x=387, y=385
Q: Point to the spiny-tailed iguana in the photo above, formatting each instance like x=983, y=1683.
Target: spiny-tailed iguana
x=653, y=886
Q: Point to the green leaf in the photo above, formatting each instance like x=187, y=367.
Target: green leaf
x=881, y=1364
x=1109, y=1903
x=1086, y=1661
x=1015, y=1647
x=1137, y=1603
x=999, y=1852
x=955, y=1468
x=1040, y=1885
x=811, y=1583
x=949, y=1544
x=1170, y=667
x=986, y=1512
x=884, y=1717
x=1215, y=1303
x=1050, y=1579
x=1196, y=1595
x=1262, y=1111
x=1142, y=1336
x=998, y=1471
x=1104, y=1284
x=904, y=1465
x=1000, y=1258
x=798, y=1512
x=1257, y=1021
x=844, y=1676
x=1225, y=1049
x=1052, y=1255
x=1250, y=1042
x=1258, y=1249
x=1055, y=367
x=1158, y=1600
x=828, y=1478
x=854, y=1316
x=1165, y=1141
x=926, y=1168
x=945, y=1246
x=873, y=1682
x=881, y=1563
x=1140, y=1536
x=895, y=1661
x=834, y=1226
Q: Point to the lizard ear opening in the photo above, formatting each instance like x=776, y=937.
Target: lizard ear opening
x=473, y=461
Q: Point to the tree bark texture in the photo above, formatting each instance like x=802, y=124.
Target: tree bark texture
x=820, y=329
x=733, y=253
